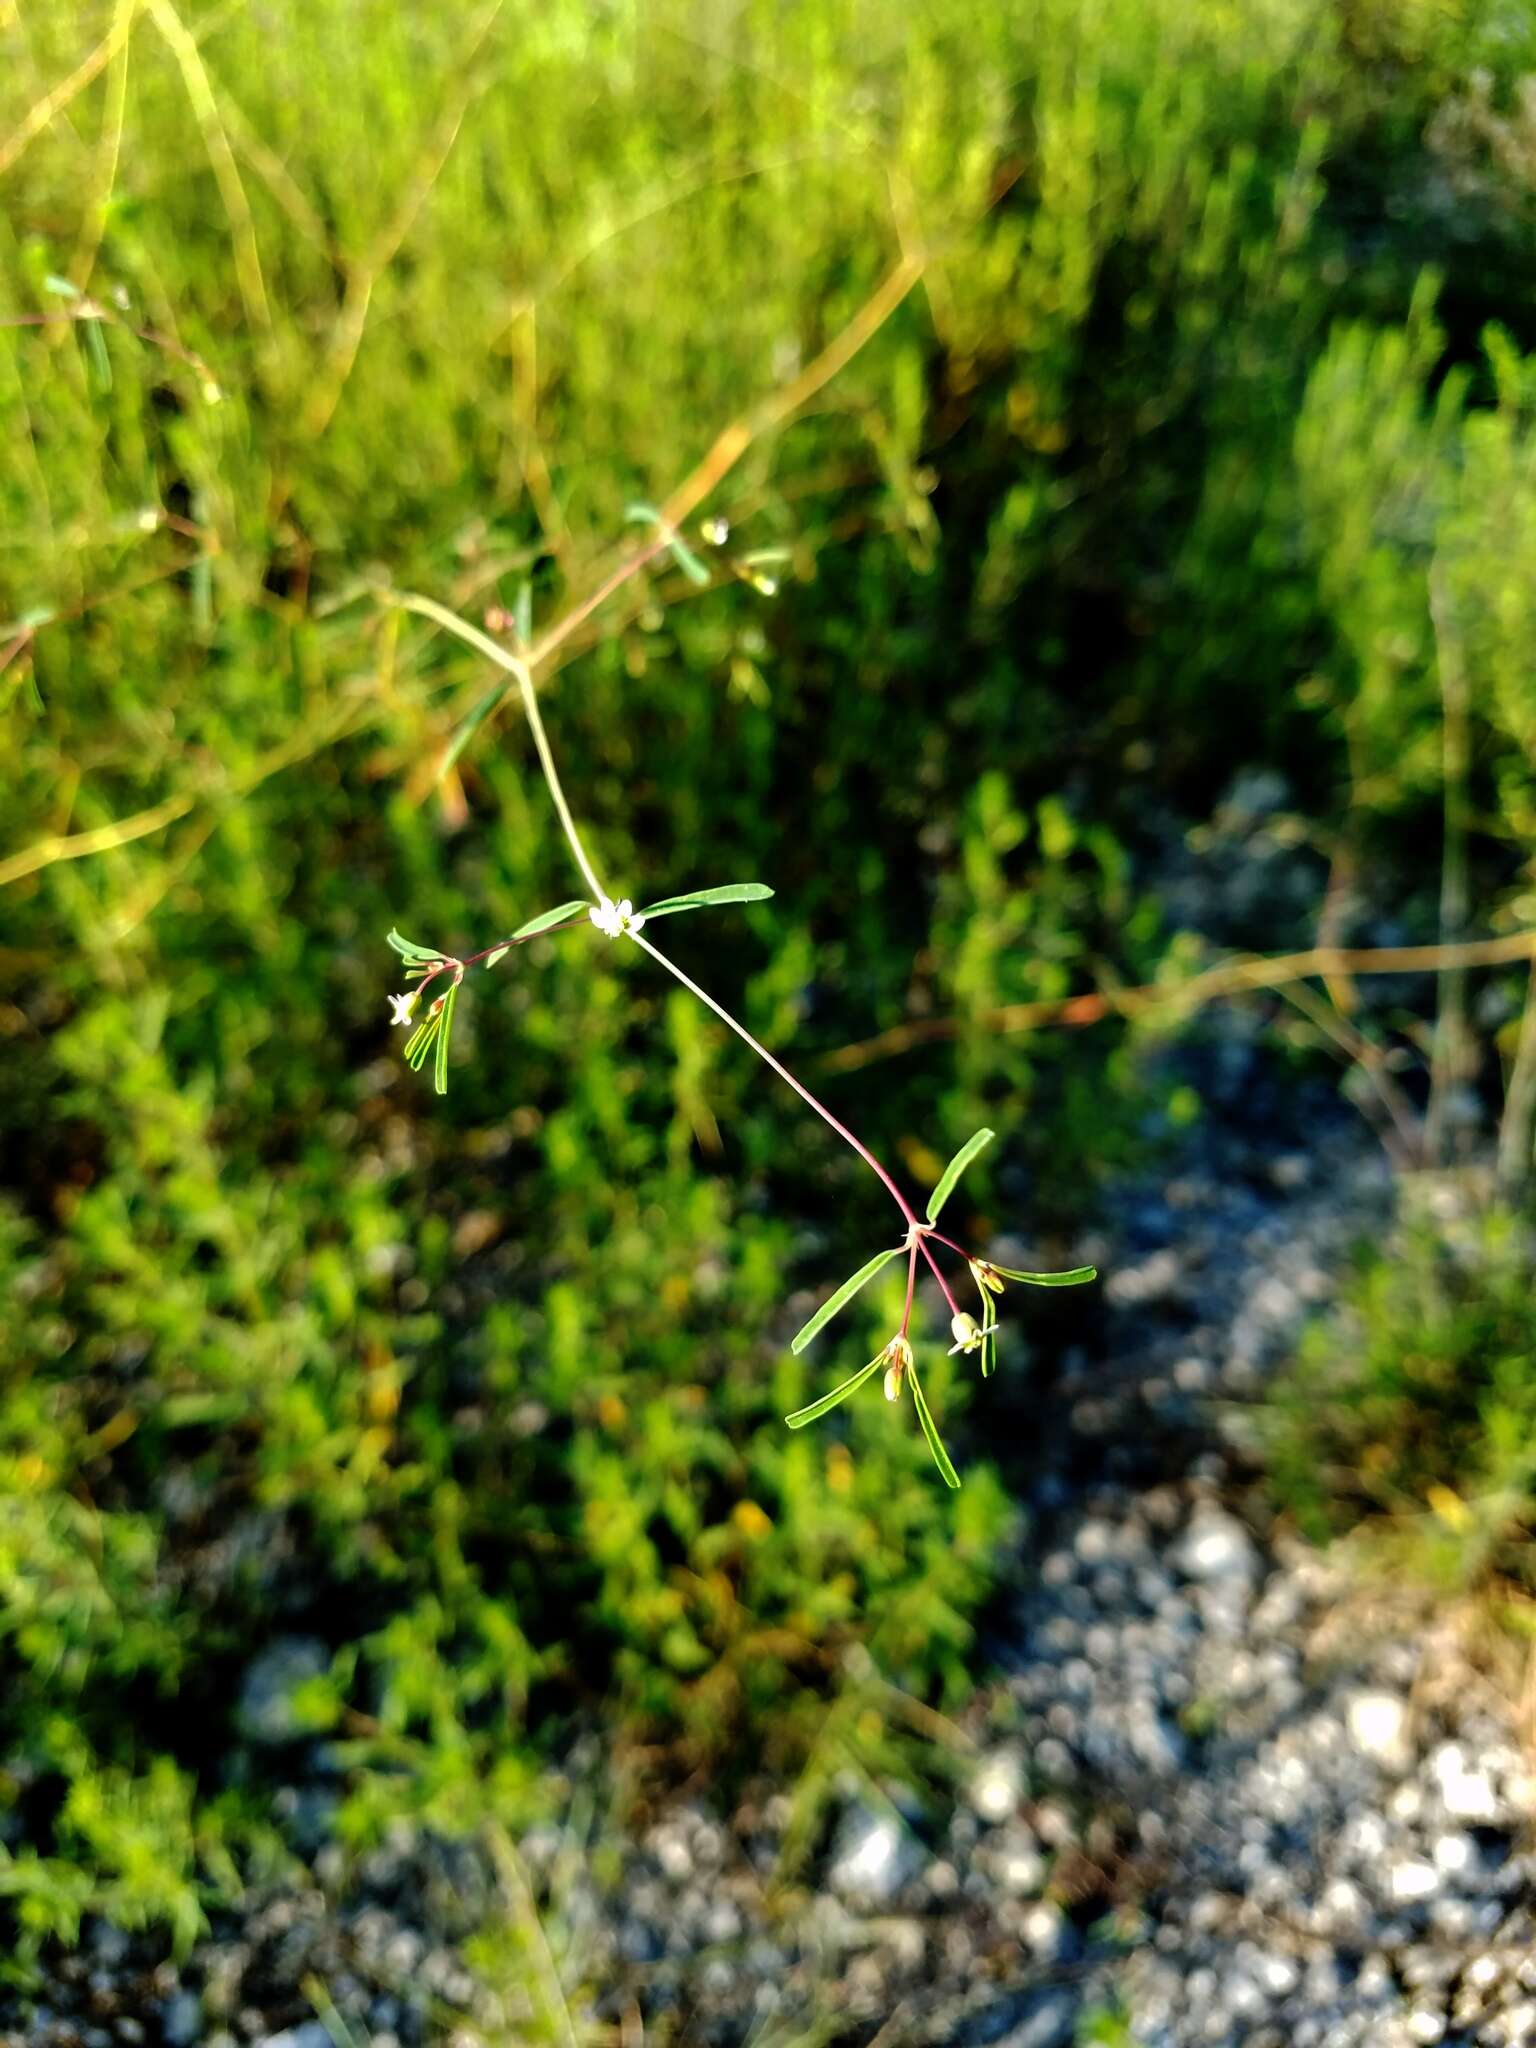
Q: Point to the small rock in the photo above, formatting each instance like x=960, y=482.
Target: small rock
x=310, y=2035
x=266, y=1712
x=1465, y=1793
x=997, y=1784
x=1378, y=1727
x=181, y=2019
x=1216, y=1548
x=872, y=1857
x=1412, y=1880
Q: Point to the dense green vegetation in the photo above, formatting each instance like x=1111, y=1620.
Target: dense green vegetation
x=1152, y=476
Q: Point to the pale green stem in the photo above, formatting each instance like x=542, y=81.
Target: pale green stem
x=518, y=669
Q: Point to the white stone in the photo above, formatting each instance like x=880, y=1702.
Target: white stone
x=873, y=1857
x=1216, y=1547
x=1413, y=1880
x=997, y=1784
x=1378, y=1727
x=1465, y=1793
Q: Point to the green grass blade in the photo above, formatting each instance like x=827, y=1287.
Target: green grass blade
x=470, y=724
x=419, y=1044
x=953, y=1171
x=440, y=1071
x=819, y=1408
x=546, y=918
x=409, y=950
x=1074, y=1278
x=842, y=1297
x=941, y=1457
x=727, y=892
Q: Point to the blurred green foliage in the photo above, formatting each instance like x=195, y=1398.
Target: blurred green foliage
x=1409, y=1415
x=1140, y=485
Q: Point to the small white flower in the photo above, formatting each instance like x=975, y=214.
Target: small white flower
x=966, y=1332
x=400, y=1007
x=614, y=920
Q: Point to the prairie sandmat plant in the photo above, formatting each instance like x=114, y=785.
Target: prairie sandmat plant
x=431, y=969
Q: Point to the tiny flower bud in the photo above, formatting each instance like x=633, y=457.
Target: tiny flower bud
x=899, y=1352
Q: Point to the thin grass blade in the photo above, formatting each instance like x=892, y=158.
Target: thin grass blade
x=697, y=899
x=955, y=1168
x=819, y=1408
x=419, y=1044
x=546, y=918
x=941, y=1457
x=1074, y=1278
x=470, y=724
x=409, y=950
x=440, y=1071
x=842, y=1297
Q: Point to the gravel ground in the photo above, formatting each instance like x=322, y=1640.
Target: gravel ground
x=1213, y=1796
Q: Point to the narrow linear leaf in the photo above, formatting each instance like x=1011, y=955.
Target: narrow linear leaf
x=419, y=1044
x=842, y=1297
x=500, y=953
x=96, y=349
x=1075, y=1278
x=682, y=554
x=440, y=1072
x=697, y=899
x=941, y=1457
x=546, y=918
x=687, y=561
x=469, y=725
x=955, y=1168
x=819, y=1408
x=409, y=950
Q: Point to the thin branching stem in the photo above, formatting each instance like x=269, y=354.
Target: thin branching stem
x=518, y=669
x=909, y=1214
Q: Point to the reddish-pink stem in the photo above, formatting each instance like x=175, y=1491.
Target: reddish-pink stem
x=474, y=959
x=954, y=1306
x=909, y=1215
x=949, y=1243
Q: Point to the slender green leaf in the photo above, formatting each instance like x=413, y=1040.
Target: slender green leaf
x=953, y=1171
x=940, y=1455
x=96, y=349
x=819, y=1408
x=842, y=1297
x=682, y=554
x=698, y=899
x=1075, y=1278
x=470, y=724
x=440, y=1072
x=419, y=1044
x=501, y=952
x=546, y=918
x=409, y=950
